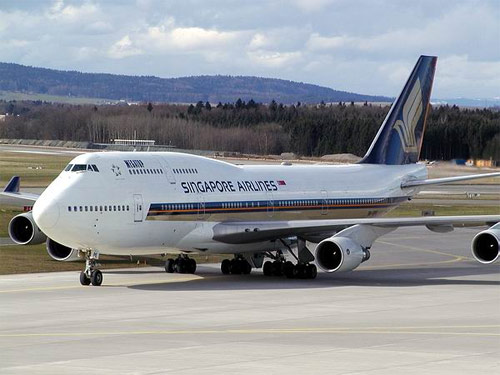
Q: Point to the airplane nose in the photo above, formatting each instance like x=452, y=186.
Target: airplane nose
x=46, y=213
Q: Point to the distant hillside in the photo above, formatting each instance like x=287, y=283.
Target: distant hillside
x=26, y=79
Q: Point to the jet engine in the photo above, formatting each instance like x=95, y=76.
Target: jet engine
x=61, y=252
x=338, y=254
x=486, y=245
x=24, y=231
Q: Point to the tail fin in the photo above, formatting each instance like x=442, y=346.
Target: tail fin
x=399, y=139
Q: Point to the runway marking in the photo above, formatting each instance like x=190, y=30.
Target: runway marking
x=123, y=284
x=428, y=330
x=457, y=258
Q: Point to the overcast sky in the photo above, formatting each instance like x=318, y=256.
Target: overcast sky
x=365, y=46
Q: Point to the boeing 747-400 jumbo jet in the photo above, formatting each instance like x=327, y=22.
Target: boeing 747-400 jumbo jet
x=137, y=203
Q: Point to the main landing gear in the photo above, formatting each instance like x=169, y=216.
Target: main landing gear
x=303, y=269
x=290, y=270
x=182, y=264
x=91, y=274
x=236, y=266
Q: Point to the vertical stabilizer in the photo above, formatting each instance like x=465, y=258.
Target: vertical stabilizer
x=399, y=139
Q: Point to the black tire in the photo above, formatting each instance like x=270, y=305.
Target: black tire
x=180, y=266
x=288, y=269
x=84, y=279
x=225, y=266
x=296, y=271
x=192, y=265
x=313, y=271
x=235, y=267
x=169, y=266
x=247, y=268
x=96, y=278
x=302, y=271
x=268, y=269
x=277, y=268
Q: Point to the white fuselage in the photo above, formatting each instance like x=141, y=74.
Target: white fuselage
x=150, y=203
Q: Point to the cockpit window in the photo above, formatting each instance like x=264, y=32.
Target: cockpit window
x=68, y=167
x=79, y=167
x=82, y=167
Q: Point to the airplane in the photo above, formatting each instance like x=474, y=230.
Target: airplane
x=138, y=203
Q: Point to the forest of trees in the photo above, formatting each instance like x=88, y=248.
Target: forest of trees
x=253, y=128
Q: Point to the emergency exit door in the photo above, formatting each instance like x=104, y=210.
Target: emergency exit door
x=138, y=208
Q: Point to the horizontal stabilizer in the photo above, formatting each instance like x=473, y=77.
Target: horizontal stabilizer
x=446, y=180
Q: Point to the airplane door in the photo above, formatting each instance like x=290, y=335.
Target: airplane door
x=168, y=171
x=270, y=204
x=138, y=208
x=324, y=202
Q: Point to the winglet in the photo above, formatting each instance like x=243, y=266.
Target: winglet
x=13, y=185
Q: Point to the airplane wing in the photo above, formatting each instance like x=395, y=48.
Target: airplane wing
x=445, y=180
x=248, y=232
x=12, y=196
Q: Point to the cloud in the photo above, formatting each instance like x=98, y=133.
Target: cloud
x=123, y=48
x=365, y=46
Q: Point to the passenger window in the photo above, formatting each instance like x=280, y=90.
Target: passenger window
x=91, y=208
x=109, y=208
x=81, y=208
x=123, y=208
x=75, y=208
x=106, y=208
x=127, y=208
x=86, y=208
x=119, y=208
x=114, y=208
x=100, y=208
x=69, y=208
x=130, y=171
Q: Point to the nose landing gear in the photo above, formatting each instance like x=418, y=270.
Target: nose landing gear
x=91, y=274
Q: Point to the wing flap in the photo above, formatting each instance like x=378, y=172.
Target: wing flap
x=249, y=232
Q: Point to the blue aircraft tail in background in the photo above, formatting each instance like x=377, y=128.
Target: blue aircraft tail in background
x=399, y=139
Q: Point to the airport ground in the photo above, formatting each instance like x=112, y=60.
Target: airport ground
x=421, y=304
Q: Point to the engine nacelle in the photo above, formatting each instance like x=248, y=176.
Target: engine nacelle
x=338, y=254
x=24, y=231
x=61, y=252
x=486, y=246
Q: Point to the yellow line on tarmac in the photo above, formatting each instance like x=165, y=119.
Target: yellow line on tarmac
x=368, y=330
x=124, y=284
x=456, y=258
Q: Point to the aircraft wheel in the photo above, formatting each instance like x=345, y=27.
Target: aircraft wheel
x=169, y=265
x=235, y=267
x=84, y=279
x=192, y=265
x=268, y=269
x=288, y=269
x=225, y=266
x=247, y=268
x=277, y=268
x=180, y=266
x=96, y=277
x=312, y=271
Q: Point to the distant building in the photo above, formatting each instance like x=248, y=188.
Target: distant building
x=134, y=142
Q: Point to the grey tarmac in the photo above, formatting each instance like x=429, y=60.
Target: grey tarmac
x=421, y=305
